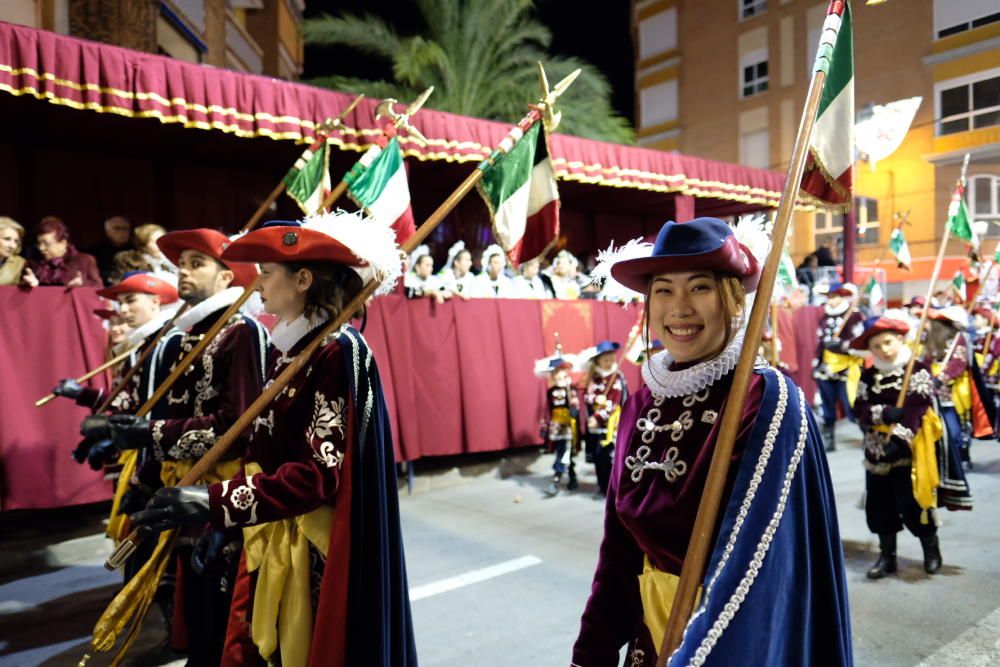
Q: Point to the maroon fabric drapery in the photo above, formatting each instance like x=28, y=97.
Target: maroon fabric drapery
x=108, y=79
x=46, y=334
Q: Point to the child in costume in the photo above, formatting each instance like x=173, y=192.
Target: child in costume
x=322, y=578
x=835, y=369
x=901, y=473
x=562, y=432
x=605, y=393
x=775, y=591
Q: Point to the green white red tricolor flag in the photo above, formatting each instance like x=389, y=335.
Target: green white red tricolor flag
x=519, y=187
x=900, y=249
x=959, y=222
x=377, y=183
x=828, y=175
x=874, y=292
x=786, y=273
x=958, y=284
x=308, y=181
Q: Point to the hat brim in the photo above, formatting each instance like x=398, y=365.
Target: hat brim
x=106, y=313
x=167, y=294
x=861, y=342
x=172, y=245
x=635, y=274
x=290, y=244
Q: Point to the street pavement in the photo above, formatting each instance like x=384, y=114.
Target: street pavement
x=499, y=573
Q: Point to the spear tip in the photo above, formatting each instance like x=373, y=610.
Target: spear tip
x=565, y=83
x=419, y=102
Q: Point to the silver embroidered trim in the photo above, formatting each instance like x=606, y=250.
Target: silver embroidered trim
x=156, y=430
x=192, y=444
x=671, y=466
x=885, y=468
x=903, y=433
x=664, y=382
x=756, y=563
x=262, y=422
x=922, y=383
x=876, y=411
x=762, y=461
x=241, y=498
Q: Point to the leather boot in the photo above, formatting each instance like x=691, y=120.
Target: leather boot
x=932, y=553
x=554, y=486
x=886, y=563
x=572, y=484
x=829, y=439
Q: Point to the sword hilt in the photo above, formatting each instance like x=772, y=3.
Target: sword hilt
x=128, y=546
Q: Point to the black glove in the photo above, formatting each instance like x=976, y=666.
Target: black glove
x=133, y=500
x=129, y=431
x=207, y=550
x=82, y=449
x=174, y=506
x=834, y=345
x=101, y=453
x=95, y=427
x=69, y=388
x=891, y=414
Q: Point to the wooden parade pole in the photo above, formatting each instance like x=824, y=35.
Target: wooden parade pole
x=91, y=373
x=930, y=295
x=135, y=593
x=696, y=557
x=147, y=353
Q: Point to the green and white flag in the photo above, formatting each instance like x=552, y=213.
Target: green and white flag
x=958, y=284
x=874, y=292
x=786, y=273
x=958, y=219
x=308, y=181
x=900, y=249
x=828, y=175
x=377, y=183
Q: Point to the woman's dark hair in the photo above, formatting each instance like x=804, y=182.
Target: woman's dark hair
x=459, y=254
x=50, y=224
x=332, y=287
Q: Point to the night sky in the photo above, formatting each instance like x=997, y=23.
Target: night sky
x=599, y=37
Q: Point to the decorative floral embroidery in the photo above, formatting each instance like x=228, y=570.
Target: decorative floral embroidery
x=922, y=383
x=156, y=430
x=876, y=412
x=172, y=400
x=241, y=498
x=261, y=422
x=638, y=657
x=862, y=391
x=192, y=444
x=329, y=455
x=903, y=433
x=671, y=465
x=327, y=416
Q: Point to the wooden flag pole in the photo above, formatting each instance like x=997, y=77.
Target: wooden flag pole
x=91, y=373
x=146, y=354
x=130, y=599
x=930, y=295
x=696, y=558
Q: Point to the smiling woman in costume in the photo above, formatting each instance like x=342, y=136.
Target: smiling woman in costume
x=322, y=579
x=774, y=592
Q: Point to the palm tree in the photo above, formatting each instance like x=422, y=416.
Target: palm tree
x=480, y=56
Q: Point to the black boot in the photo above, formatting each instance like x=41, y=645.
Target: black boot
x=932, y=553
x=829, y=439
x=886, y=563
x=554, y=486
x=572, y=484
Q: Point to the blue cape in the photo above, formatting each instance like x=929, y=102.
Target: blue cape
x=380, y=628
x=775, y=587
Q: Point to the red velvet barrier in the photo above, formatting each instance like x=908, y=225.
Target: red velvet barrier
x=46, y=334
x=458, y=377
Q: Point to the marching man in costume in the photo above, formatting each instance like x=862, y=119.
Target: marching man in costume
x=214, y=391
x=775, y=592
x=835, y=369
x=322, y=579
x=605, y=393
x=901, y=477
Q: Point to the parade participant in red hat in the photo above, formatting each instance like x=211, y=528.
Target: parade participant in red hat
x=901, y=472
x=606, y=391
x=835, y=369
x=322, y=579
x=561, y=427
x=695, y=279
x=200, y=406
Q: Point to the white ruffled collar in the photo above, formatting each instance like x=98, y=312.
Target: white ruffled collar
x=836, y=311
x=902, y=359
x=606, y=373
x=670, y=384
x=285, y=335
x=138, y=335
x=198, y=312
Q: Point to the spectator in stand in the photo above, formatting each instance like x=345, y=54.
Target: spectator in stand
x=11, y=263
x=420, y=282
x=492, y=283
x=61, y=263
x=563, y=275
x=117, y=233
x=531, y=283
x=144, y=239
x=824, y=254
x=457, y=276
x=128, y=261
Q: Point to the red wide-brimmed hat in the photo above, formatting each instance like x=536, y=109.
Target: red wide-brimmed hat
x=700, y=244
x=285, y=241
x=143, y=283
x=916, y=302
x=953, y=315
x=878, y=325
x=842, y=289
x=209, y=242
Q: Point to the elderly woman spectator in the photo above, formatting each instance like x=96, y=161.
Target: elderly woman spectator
x=11, y=263
x=61, y=263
